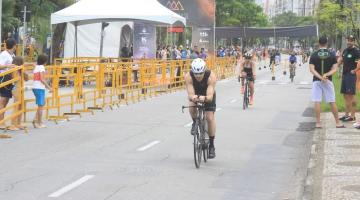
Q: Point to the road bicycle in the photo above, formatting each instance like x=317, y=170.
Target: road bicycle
x=201, y=138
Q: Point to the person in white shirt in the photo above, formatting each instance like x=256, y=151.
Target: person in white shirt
x=39, y=86
x=6, y=59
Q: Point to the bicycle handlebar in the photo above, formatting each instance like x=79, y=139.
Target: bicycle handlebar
x=199, y=105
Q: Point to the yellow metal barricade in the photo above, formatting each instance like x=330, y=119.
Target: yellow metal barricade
x=82, y=85
x=12, y=80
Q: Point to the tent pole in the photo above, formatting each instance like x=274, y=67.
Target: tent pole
x=103, y=26
x=51, y=46
x=76, y=37
x=101, y=40
x=121, y=32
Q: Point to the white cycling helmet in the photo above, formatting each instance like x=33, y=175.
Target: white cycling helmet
x=248, y=55
x=198, y=66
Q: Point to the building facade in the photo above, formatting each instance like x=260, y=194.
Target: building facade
x=299, y=7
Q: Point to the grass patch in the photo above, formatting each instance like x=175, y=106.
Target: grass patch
x=340, y=102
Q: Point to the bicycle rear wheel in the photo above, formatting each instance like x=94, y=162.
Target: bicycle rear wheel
x=197, y=147
x=292, y=74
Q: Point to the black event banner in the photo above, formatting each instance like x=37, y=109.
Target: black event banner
x=200, y=15
x=144, y=41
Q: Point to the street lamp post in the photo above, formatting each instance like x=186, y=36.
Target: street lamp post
x=25, y=29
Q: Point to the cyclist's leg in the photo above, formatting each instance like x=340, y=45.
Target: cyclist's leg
x=192, y=110
x=193, y=113
x=292, y=69
x=210, y=118
x=252, y=91
x=251, y=85
x=243, y=74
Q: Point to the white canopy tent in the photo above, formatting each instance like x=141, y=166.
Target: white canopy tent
x=91, y=14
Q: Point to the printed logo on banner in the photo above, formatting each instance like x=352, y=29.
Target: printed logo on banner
x=204, y=35
x=174, y=5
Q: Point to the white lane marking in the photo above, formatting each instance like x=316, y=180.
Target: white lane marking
x=233, y=101
x=151, y=144
x=263, y=82
x=224, y=81
x=188, y=124
x=71, y=186
x=283, y=83
x=304, y=83
x=218, y=109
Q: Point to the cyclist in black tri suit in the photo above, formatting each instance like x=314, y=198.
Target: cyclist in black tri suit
x=247, y=69
x=200, y=85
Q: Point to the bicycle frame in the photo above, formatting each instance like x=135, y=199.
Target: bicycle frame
x=246, y=99
x=201, y=142
x=292, y=69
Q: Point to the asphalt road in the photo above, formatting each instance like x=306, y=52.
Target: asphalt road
x=143, y=151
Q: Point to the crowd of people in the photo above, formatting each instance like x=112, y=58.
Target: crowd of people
x=180, y=53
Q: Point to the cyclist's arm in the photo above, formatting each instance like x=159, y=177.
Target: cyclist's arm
x=253, y=69
x=241, y=68
x=211, y=88
x=189, y=87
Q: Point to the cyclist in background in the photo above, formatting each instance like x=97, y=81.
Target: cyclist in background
x=200, y=86
x=247, y=69
x=293, y=61
x=277, y=58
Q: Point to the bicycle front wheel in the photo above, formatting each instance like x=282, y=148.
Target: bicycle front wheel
x=246, y=97
x=197, y=149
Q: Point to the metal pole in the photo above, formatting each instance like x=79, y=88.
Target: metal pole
x=0, y=19
x=75, y=41
x=304, y=8
x=102, y=39
x=51, y=47
x=24, y=39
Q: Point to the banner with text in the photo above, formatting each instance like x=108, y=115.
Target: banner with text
x=144, y=41
x=200, y=15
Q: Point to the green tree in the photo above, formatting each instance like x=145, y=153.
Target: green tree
x=291, y=19
x=335, y=19
x=239, y=13
x=39, y=23
x=9, y=21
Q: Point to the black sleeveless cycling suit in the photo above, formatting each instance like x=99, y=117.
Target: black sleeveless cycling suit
x=248, y=70
x=201, y=88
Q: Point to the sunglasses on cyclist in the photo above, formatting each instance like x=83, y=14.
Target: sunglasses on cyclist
x=199, y=74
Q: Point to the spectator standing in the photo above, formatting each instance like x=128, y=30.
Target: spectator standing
x=6, y=60
x=39, y=86
x=203, y=54
x=349, y=58
x=195, y=53
x=323, y=65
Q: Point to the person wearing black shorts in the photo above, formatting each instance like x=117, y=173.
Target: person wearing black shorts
x=349, y=58
x=247, y=70
x=200, y=86
x=6, y=62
